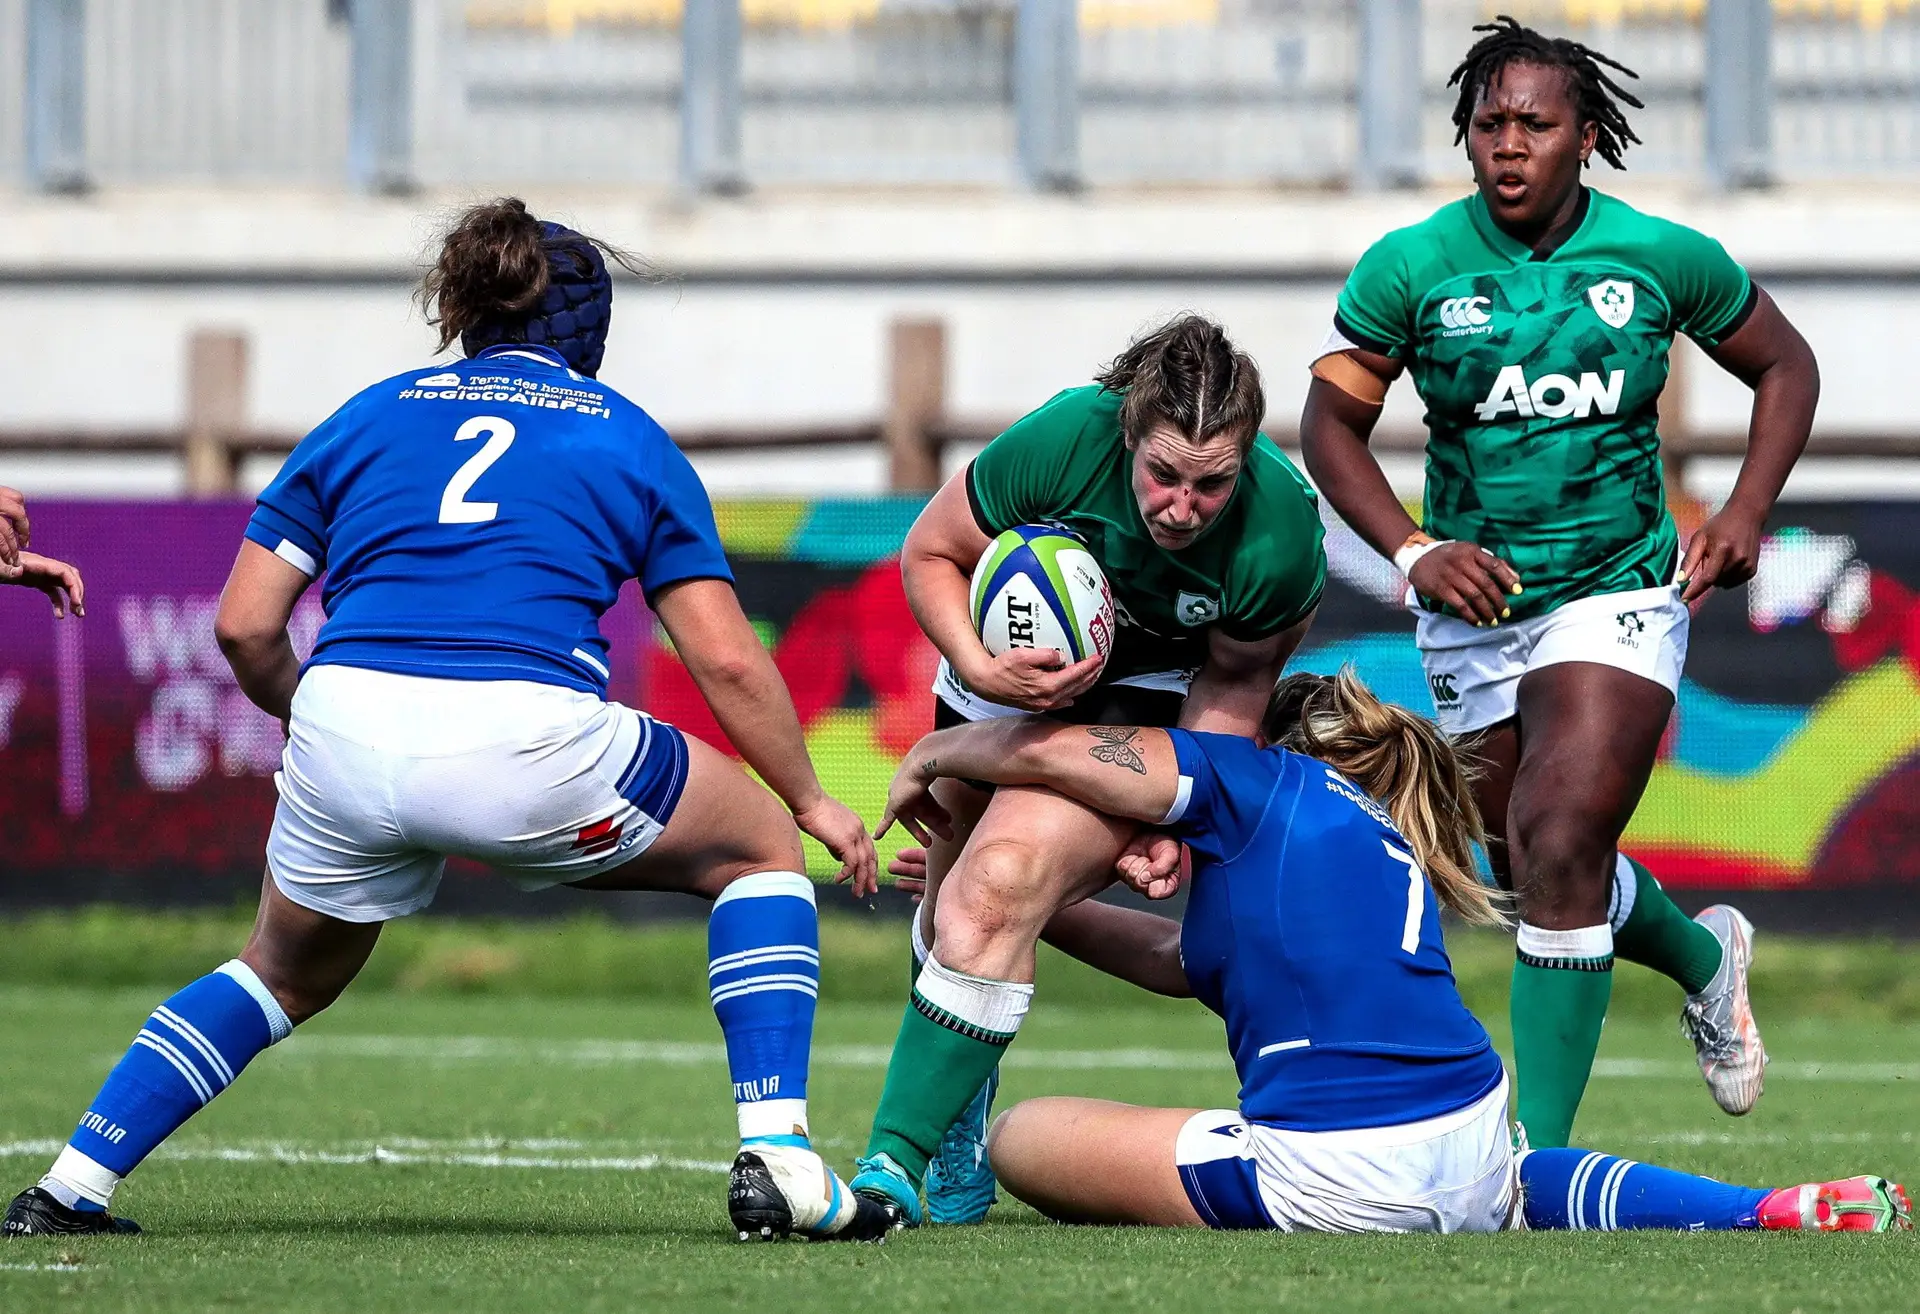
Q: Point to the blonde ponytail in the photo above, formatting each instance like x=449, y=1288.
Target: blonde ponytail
x=1402, y=759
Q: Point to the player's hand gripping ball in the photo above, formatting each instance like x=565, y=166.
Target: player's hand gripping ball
x=1037, y=586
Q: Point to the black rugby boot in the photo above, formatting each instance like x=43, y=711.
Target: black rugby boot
x=761, y=1212
x=35, y=1213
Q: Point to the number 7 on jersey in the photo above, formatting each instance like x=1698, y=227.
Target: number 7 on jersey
x=1416, y=898
x=454, y=507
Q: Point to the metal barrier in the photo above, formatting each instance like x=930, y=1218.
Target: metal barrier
x=215, y=90
x=1222, y=91
x=719, y=94
x=13, y=87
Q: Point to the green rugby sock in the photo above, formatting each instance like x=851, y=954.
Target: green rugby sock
x=1561, y=983
x=1656, y=934
x=955, y=1029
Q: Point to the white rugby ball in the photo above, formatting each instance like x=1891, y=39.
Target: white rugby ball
x=1037, y=586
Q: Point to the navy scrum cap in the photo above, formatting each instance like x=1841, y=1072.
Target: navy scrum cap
x=572, y=317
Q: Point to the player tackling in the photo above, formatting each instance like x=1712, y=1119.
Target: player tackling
x=1371, y=1100
x=474, y=521
x=1535, y=319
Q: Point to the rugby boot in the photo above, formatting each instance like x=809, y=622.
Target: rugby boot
x=960, y=1181
x=776, y=1191
x=36, y=1213
x=1719, y=1020
x=882, y=1180
x=1856, y=1204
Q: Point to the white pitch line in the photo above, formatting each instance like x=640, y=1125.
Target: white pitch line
x=1802, y=1070
x=43, y=1268
x=384, y=1154
x=1767, y=1138
x=444, y=1049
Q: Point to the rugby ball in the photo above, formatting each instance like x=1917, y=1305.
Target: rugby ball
x=1037, y=586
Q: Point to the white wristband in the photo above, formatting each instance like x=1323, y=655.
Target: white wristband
x=1409, y=553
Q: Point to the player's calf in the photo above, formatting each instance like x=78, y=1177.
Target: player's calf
x=191, y=1048
x=1585, y=1191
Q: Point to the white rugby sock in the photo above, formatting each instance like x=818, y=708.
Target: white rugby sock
x=1583, y=949
x=973, y=1005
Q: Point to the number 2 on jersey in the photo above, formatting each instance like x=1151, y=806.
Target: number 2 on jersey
x=454, y=507
x=1416, y=898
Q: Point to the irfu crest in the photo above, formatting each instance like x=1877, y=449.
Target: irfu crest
x=1612, y=301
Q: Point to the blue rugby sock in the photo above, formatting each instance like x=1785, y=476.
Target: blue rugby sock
x=1581, y=1191
x=763, y=946
x=190, y=1050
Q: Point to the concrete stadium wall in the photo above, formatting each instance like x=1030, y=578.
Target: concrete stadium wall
x=775, y=306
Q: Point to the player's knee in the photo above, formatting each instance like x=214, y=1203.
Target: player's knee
x=995, y=891
x=1559, y=861
x=300, y=997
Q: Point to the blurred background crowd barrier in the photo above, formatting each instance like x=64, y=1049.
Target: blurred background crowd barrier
x=137, y=771
x=716, y=95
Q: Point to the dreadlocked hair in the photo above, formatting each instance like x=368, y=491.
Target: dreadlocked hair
x=1403, y=760
x=1596, y=96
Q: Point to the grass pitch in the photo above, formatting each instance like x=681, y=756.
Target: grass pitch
x=424, y=1150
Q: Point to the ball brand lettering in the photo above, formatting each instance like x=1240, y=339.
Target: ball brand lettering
x=1019, y=623
x=1551, y=396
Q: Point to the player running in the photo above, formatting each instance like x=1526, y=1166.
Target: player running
x=1552, y=597
x=1211, y=542
x=1371, y=1100
x=474, y=522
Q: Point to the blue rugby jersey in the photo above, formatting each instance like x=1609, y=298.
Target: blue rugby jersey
x=476, y=520
x=1312, y=932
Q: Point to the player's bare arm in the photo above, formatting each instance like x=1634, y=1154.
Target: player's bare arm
x=1343, y=405
x=738, y=679
x=251, y=627
x=1140, y=948
x=1229, y=695
x=936, y=567
x=1122, y=771
x=58, y=580
x=1767, y=354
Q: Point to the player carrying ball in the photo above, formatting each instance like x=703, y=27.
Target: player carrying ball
x=1211, y=542
x=474, y=521
x=1535, y=318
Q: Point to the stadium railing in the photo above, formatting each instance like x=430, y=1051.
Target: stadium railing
x=914, y=429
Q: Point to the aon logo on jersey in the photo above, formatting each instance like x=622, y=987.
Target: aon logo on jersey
x=1552, y=396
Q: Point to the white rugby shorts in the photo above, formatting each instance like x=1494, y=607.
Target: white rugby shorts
x=1474, y=674
x=964, y=701
x=1454, y=1173
x=385, y=776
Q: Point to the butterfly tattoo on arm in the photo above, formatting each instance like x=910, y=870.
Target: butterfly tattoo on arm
x=1116, y=747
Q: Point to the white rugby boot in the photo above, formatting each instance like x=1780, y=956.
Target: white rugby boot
x=780, y=1190
x=1719, y=1020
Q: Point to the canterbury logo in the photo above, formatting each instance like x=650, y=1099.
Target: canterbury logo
x=1464, y=312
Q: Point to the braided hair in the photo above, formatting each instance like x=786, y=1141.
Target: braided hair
x=1596, y=95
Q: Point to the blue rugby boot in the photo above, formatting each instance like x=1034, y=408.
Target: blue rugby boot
x=883, y=1180
x=960, y=1181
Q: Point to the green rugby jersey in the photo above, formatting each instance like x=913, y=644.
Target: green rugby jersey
x=1541, y=376
x=1258, y=569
